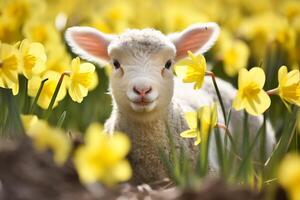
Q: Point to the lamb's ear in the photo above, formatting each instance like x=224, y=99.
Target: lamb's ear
x=89, y=43
x=197, y=38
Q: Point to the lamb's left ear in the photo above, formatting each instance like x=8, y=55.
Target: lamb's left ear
x=89, y=43
x=197, y=38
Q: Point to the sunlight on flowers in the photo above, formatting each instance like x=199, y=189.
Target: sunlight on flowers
x=102, y=157
x=33, y=58
x=45, y=137
x=206, y=117
x=289, y=175
x=289, y=85
x=82, y=78
x=192, y=69
x=9, y=64
x=250, y=95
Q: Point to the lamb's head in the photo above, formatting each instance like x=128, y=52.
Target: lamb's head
x=141, y=81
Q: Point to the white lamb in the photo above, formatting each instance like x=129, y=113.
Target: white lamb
x=146, y=95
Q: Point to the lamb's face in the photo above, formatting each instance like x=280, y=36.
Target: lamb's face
x=142, y=77
x=142, y=60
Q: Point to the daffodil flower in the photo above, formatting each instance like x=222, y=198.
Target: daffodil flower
x=82, y=79
x=46, y=137
x=102, y=157
x=250, y=95
x=33, y=58
x=235, y=57
x=289, y=85
x=289, y=175
x=207, y=116
x=9, y=64
x=192, y=69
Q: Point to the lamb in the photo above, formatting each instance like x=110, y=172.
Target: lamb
x=146, y=95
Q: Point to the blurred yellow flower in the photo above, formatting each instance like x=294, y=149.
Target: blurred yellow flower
x=9, y=64
x=8, y=30
x=33, y=58
x=47, y=138
x=48, y=89
x=44, y=32
x=250, y=95
x=82, y=78
x=235, y=57
x=289, y=175
x=207, y=116
x=102, y=157
x=192, y=69
x=28, y=121
x=289, y=85
x=58, y=59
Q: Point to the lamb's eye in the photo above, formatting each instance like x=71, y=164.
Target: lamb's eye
x=116, y=64
x=168, y=64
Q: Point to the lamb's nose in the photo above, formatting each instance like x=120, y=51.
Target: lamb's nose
x=142, y=91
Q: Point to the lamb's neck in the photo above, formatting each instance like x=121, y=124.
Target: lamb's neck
x=143, y=125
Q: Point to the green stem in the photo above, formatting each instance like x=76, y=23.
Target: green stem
x=13, y=124
x=213, y=77
x=245, y=146
x=26, y=98
x=33, y=106
x=50, y=107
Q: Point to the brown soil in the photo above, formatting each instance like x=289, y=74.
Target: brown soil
x=28, y=175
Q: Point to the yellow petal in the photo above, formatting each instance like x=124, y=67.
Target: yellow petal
x=191, y=119
x=198, y=140
x=28, y=121
x=238, y=102
x=257, y=75
x=258, y=104
x=122, y=171
x=282, y=74
x=192, y=133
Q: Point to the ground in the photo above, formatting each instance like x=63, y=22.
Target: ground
x=28, y=175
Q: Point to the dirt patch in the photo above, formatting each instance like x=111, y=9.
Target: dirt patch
x=29, y=175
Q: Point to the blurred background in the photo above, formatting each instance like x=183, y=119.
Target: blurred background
x=253, y=33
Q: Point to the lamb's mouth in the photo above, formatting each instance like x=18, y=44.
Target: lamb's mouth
x=143, y=106
x=142, y=103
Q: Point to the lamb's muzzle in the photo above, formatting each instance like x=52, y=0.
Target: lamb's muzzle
x=145, y=94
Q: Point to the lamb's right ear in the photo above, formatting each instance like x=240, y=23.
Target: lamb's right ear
x=89, y=43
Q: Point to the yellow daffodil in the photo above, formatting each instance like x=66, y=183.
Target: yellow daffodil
x=192, y=69
x=33, y=57
x=250, y=95
x=82, y=78
x=289, y=175
x=234, y=52
x=102, y=157
x=48, y=89
x=207, y=116
x=58, y=58
x=47, y=138
x=9, y=64
x=40, y=31
x=235, y=57
x=289, y=85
